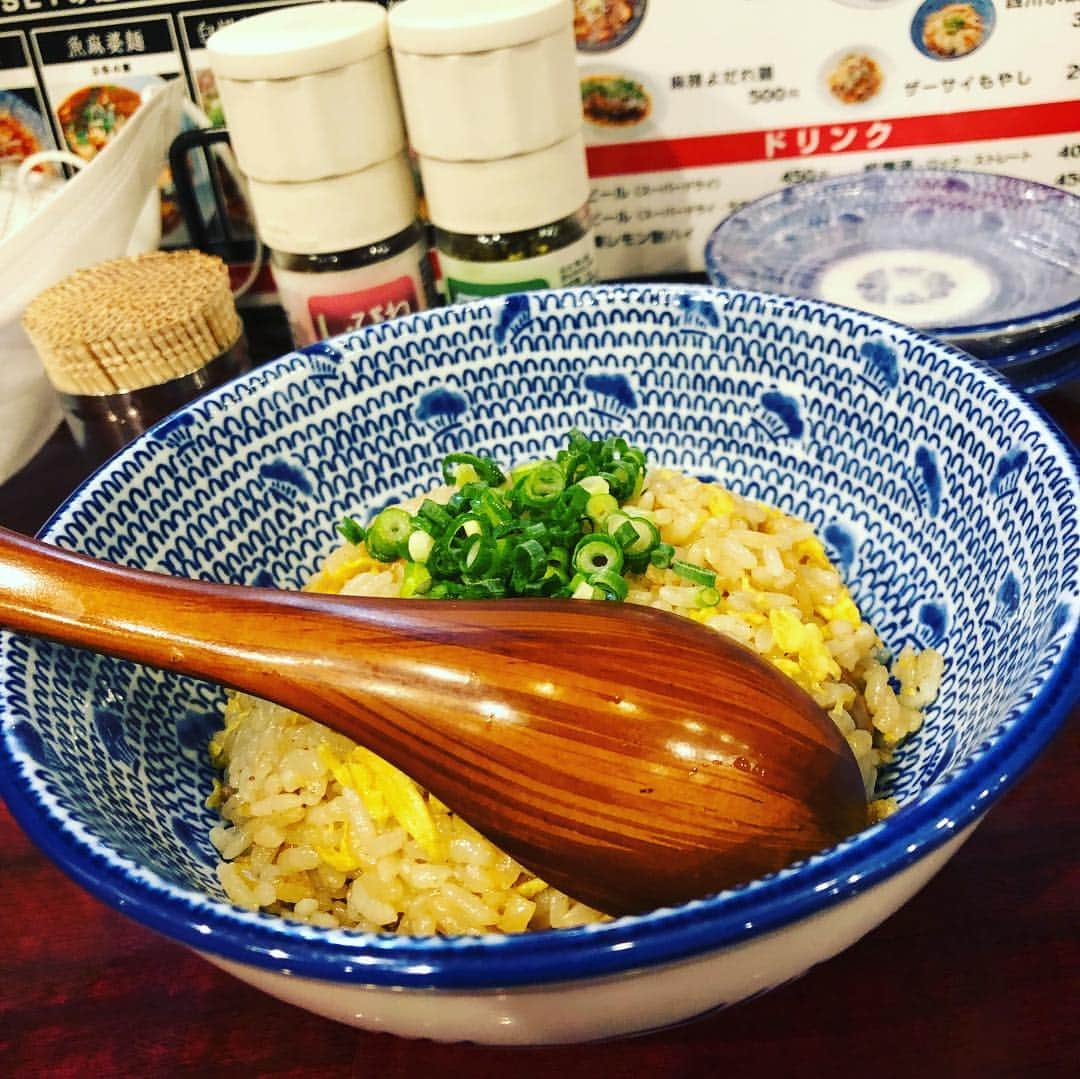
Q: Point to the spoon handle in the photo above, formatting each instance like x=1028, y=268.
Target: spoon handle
x=152, y=618
x=258, y=640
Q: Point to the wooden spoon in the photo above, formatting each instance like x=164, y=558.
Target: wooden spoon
x=632, y=758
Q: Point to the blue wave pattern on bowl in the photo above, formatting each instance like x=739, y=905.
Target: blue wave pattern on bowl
x=961, y=254
x=949, y=506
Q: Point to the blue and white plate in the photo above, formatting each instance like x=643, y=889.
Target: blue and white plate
x=973, y=258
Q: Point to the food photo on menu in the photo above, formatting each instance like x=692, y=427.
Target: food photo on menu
x=539, y=524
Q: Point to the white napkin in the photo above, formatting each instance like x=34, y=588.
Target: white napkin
x=91, y=220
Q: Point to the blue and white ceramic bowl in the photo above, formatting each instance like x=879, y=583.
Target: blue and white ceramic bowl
x=1041, y=362
x=1061, y=339
x=1042, y=376
x=976, y=259
x=950, y=502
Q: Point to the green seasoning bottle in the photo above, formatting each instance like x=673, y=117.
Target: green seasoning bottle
x=491, y=100
x=511, y=224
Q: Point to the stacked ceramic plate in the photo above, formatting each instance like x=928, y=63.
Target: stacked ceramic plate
x=988, y=263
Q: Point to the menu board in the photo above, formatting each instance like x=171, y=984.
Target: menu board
x=23, y=128
x=72, y=72
x=693, y=107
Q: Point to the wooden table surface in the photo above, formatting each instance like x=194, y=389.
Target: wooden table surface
x=977, y=976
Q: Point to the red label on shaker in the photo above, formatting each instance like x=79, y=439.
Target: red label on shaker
x=348, y=311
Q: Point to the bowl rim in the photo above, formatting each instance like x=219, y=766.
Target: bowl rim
x=1061, y=338
x=664, y=936
x=1047, y=319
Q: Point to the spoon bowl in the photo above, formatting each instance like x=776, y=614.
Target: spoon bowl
x=630, y=757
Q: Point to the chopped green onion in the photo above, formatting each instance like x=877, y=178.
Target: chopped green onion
x=648, y=536
x=487, y=588
x=388, y=536
x=622, y=479
x=555, y=578
x=542, y=485
x=574, y=500
x=491, y=506
x=558, y=557
x=624, y=533
x=529, y=564
x=635, y=535
x=351, y=530
x=462, y=529
x=578, y=442
x=464, y=475
x=584, y=590
x=535, y=531
x=524, y=536
x=595, y=485
x=520, y=471
x=707, y=597
x=616, y=521
x=595, y=553
x=501, y=555
x=486, y=470
x=434, y=513
x=417, y=580
x=613, y=585
x=600, y=507
x=661, y=555
x=695, y=574
x=478, y=556
x=442, y=562
x=420, y=545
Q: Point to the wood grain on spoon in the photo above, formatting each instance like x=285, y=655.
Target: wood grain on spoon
x=630, y=757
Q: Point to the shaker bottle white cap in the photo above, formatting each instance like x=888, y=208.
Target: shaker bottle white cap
x=308, y=91
x=287, y=43
x=481, y=79
x=337, y=213
x=434, y=27
x=508, y=194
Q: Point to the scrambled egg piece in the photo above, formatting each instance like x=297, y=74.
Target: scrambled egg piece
x=530, y=888
x=814, y=553
x=386, y=792
x=844, y=608
x=799, y=647
x=721, y=504
x=236, y=708
x=805, y=643
x=339, y=571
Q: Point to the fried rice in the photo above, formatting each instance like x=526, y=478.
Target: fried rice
x=318, y=829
